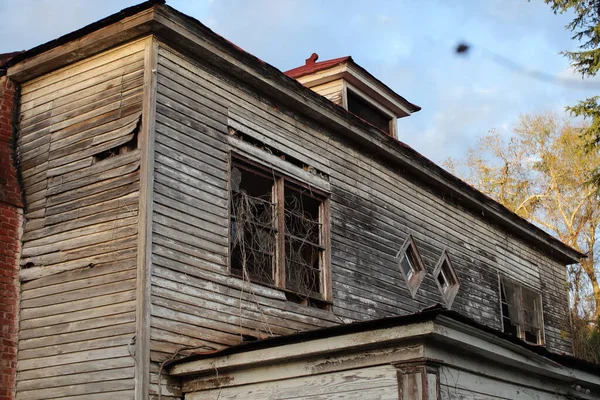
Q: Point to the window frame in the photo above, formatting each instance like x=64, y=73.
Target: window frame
x=392, y=123
x=415, y=278
x=450, y=290
x=520, y=331
x=322, y=299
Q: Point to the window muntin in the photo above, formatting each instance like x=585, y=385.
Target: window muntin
x=446, y=278
x=411, y=265
x=278, y=235
x=521, y=311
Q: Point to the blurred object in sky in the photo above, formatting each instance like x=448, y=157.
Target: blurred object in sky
x=462, y=49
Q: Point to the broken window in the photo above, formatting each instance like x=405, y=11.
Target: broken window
x=277, y=232
x=521, y=311
x=253, y=226
x=411, y=265
x=446, y=278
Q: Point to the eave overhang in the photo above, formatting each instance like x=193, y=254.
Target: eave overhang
x=436, y=336
x=189, y=36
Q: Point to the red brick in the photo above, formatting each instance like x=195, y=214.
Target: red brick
x=10, y=222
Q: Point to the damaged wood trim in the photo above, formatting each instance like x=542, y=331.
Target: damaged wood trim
x=144, y=252
x=297, y=368
x=414, y=379
x=259, y=156
x=319, y=347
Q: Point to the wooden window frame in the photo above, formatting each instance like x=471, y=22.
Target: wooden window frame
x=445, y=267
x=520, y=332
x=418, y=270
x=324, y=298
x=392, y=124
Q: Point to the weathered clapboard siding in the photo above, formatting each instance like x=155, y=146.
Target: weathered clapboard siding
x=332, y=90
x=374, y=206
x=373, y=383
x=79, y=253
x=458, y=384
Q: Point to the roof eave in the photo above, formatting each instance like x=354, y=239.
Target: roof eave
x=430, y=330
x=118, y=28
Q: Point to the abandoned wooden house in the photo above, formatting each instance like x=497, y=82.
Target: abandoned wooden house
x=196, y=224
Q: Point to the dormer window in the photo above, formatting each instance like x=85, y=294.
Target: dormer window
x=362, y=108
x=350, y=86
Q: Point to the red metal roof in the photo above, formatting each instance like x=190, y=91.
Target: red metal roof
x=313, y=66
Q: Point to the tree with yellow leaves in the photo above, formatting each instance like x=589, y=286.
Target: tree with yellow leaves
x=541, y=172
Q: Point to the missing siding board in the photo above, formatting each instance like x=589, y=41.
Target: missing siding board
x=277, y=237
x=282, y=155
x=121, y=148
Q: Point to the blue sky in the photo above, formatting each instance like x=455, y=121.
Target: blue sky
x=405, y=43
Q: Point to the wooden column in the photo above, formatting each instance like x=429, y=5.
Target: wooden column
x=144, y=256
x=418, y=381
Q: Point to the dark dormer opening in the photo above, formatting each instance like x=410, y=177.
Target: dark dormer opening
x=368, y=112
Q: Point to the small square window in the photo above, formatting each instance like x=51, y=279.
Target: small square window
x=446, y=278
x=411, y=265
x=521, y=311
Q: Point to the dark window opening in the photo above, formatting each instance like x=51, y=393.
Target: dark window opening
x=302, y=241
x=368, y=112
x=406, y=266
x=277, y=233
x=507, y=325
x=442, y=280
x=253, y=225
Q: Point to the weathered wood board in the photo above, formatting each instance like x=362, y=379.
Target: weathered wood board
x=374, y=206
x=373, y=383
x=78, y=261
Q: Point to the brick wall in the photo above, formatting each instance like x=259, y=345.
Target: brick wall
x=10, y=227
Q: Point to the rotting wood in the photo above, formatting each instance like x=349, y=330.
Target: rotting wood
x=80, y=242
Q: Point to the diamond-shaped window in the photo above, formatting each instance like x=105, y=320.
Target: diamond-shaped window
x=411, y=265
x=446, y=279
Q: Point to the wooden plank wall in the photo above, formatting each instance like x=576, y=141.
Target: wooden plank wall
x=373, y=208
x=332, y=90
x=80, y=236
x=458, y=384
x=195, y=303
x=372, y=383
